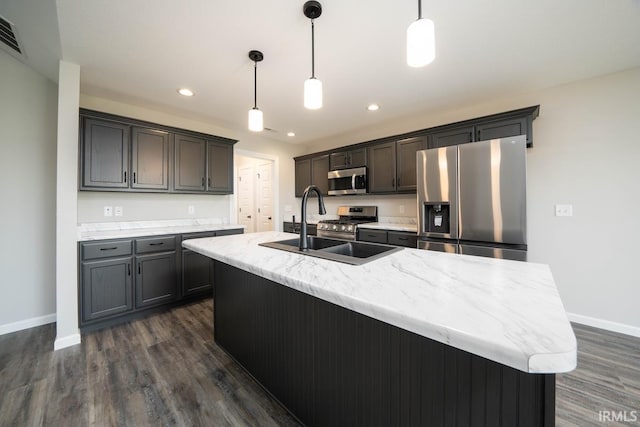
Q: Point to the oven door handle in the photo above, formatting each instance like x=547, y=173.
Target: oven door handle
x=353, y=181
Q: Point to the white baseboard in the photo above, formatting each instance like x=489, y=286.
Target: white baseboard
x=605, y=324
x=67, y=341
x=27, y=323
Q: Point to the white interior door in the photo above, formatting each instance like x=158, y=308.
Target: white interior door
x=265, y=197
x=246, y=199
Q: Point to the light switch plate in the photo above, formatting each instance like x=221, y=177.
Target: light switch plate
x=108, y=211
x=401, y=208
x=192, y=209
x=564, y=210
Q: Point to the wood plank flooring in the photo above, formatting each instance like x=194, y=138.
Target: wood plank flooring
x=166, y=370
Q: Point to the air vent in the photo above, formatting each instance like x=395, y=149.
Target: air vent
x=8, y=37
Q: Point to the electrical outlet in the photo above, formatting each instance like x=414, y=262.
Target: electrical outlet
x=564, y=210
x=118, y=210
x=192, y=209
x=401, y=208
x=108, y=211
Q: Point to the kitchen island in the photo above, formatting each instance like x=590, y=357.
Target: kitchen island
x=416, y=337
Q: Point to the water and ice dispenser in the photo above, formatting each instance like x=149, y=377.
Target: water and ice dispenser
x=436, y=218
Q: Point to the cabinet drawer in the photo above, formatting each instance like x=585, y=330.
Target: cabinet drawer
x=229, y=232
x=374, y=236
x=407, y=240
x=198, y=235
x=155, y=244
x=105, y=249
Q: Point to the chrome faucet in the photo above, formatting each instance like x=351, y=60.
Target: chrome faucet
x=304, y=245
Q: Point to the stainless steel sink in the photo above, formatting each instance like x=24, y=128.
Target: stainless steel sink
x=355, y=253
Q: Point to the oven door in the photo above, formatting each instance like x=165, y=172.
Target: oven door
x=348, y=181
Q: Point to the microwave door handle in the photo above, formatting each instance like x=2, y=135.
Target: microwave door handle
x=353, y=181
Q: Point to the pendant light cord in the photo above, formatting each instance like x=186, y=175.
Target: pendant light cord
x=313, y=53
x=255, y=84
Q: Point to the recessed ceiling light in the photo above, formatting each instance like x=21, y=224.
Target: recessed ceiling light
x=373, y=107
x=185, y=92
x=291, y=134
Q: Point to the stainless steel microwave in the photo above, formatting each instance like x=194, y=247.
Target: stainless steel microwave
x=348, y=181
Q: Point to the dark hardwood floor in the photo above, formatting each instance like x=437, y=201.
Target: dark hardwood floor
x=166, y=370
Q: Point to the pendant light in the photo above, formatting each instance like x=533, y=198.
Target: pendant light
x=255, y=115
x=312, y=86
x=421, y=41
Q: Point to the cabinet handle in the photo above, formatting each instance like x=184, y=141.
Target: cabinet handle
x=269, y=218
x=393, y=182
x=403, y=238
x=109, y=249
x=125, y=176
x=209, y=181
x=128, y=269
x=138, y=268
x=203, y=181
x=134, y=177
x=156, y=244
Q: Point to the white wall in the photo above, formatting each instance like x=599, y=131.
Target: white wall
x=28, y=190
x=586, y=152
x=163, y=206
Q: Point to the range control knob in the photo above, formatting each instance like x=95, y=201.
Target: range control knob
x=343, y=227
x=350, y=228
x=334, y=227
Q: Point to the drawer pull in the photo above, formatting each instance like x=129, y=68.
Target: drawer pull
x=109, y=249
x=156, y=244
x=403, y=238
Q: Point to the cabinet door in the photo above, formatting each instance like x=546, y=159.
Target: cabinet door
x=502, y=129
x=456, y=136
x=189, y=163
x=382, y=168
x=150, y=159
x=406, y=163
x=106, y=288
x=156, y=279
x=197, y=273
x=105, y=148
x=303, y=176
x=358, y=158
x=319, y=172
x=338, y=160
x=219, y=168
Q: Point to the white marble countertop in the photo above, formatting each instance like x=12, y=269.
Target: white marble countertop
x=411, y=228
x=506, y=311
x=119, y=230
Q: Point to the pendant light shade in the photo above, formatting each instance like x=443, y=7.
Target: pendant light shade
x=312, y=86
x=312, y=93
x=256, y=123
x=421, y=41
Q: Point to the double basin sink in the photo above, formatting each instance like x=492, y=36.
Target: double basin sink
x=349, y=252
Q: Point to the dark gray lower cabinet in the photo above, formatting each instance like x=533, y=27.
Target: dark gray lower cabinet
x=106, y=288
x=156, y=279
x=332, y=366
x=121, y=278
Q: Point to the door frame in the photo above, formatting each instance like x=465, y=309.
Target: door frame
x=275, y=168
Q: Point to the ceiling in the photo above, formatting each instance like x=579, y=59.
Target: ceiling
x=142, y=51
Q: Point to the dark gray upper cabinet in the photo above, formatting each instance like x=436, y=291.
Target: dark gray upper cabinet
x=105, y=154
x=149, y=159
x=302, y=175
x=504, y=128
x=348, y=159
x=452, y=136
x=382, y=168
x=406, y=162
x=219, y=168
x=319, y=173
x=123, y=154
x=189, y=172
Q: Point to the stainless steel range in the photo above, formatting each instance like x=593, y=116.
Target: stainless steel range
x=347, y=226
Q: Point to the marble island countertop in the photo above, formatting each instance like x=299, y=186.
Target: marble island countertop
x=119, y=230
x=506, y=311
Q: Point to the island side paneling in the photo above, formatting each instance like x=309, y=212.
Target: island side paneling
x=331, y=366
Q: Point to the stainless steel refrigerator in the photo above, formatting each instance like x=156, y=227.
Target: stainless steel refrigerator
x=472, y=198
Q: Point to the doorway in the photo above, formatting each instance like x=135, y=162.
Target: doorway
x=256, y=191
